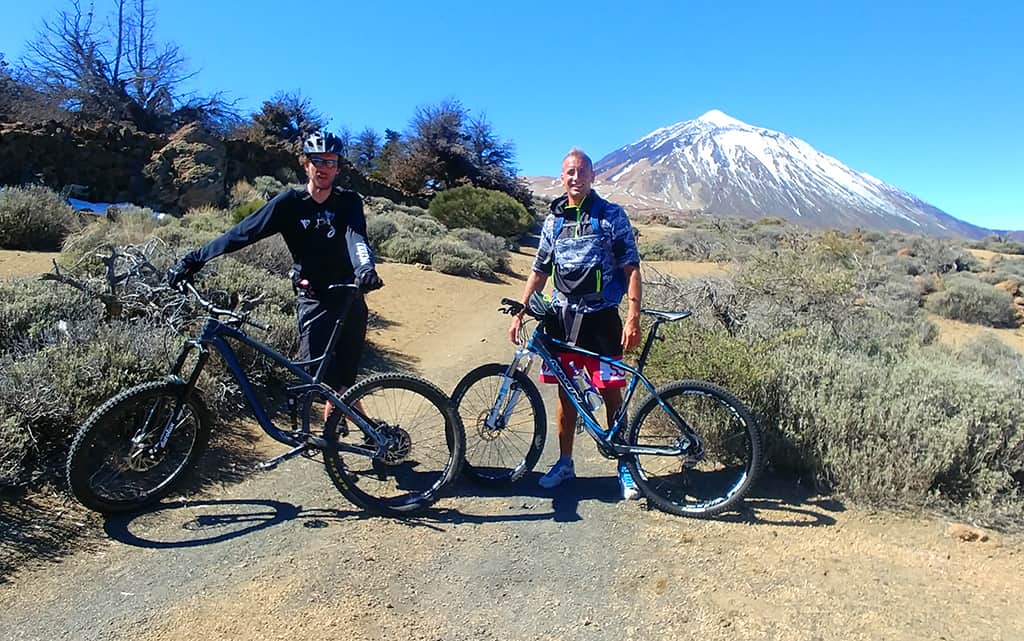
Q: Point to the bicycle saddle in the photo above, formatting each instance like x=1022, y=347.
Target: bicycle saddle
x=665, y=315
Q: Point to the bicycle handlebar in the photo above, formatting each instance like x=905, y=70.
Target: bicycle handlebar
x=221, y=311
x=511, y=307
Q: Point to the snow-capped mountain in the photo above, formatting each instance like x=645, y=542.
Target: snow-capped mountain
x=721, y=166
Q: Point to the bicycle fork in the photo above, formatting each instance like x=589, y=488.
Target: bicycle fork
x=173, y=420
x=508, y=396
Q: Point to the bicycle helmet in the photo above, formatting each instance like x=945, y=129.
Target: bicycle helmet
x=322, y=142
x=540, y=306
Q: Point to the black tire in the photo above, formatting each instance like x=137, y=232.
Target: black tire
x=499, y=456
x=716, y=481
x=427, y=453
x=111, y=467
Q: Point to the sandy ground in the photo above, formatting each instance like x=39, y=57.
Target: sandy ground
x=18, y=263
x=957, y=333
x=281, y=555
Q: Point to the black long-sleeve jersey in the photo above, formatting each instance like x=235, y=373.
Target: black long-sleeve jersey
x=327, y=240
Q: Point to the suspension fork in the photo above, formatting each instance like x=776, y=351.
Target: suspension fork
x=190, y=385
x=507, y=398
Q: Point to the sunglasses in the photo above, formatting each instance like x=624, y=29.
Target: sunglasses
x=323, y=162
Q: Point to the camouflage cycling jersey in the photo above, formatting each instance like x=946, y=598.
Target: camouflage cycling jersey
x=585, y=249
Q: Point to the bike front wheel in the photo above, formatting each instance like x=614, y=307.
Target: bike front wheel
x=423, y=453
x=504, y=421
x=716, y=470
x=117, y=463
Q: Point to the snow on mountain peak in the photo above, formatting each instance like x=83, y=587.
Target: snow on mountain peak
x=719, y=165
x=716, y=117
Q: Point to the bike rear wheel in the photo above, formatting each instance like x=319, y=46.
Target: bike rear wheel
x=501, y=453
x=694, y=483
x=424, y=452
x=116, y=464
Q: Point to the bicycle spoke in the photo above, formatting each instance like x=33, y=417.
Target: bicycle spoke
x=711, y=475
x=501, y=452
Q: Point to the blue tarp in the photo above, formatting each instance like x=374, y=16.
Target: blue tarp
x=98, y=208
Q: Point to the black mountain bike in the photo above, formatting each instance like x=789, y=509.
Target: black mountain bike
x=692, y=447
x=391, y=444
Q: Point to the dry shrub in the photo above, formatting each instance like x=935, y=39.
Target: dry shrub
x=45, y=395
x=830, y=350
x=34, y=218
x=970, y=300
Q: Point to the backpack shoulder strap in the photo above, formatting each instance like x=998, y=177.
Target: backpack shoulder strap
x=596, y=214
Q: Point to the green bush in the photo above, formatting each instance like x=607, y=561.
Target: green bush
x=492, y=211
x=241, y=211
x=377, y=205
x=379, y=229
x=1000, y=244
x=923, y=429
x=1014, y=266
x=60, y=356
x=405, y=248
x=409, y=235
x=992, y=354
x=972, y=301
x=382, y=226
x=242, y=192
x=34, y=218
x=1000, y=276
x=270, y=254
x=266, y=187
x=897, y=433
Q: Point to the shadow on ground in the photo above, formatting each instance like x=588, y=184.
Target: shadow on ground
x=43, y=526
x=773, y=501
x=207, y=522
x=779, y=502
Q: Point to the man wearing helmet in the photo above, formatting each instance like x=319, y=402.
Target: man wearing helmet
x=325, y=231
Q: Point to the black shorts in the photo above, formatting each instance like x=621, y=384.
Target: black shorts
x=316, y=320
x=600, y=331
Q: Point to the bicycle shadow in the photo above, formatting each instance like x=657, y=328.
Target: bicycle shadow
x=773, y=501
x=776, y=501
x=565, y=499
x=784, y=501
x=208, y=522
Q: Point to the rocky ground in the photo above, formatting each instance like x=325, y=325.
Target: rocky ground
x=281, y=555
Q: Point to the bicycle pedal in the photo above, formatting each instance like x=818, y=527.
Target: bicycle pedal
x=266, y=466
x=277, y=460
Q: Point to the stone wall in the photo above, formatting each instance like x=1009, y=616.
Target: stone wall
x=107, y=158
x=189, y=168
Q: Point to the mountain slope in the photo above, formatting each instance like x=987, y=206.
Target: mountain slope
x=721, y=166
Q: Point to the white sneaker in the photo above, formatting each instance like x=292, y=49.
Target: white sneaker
x=561, y=471
x=630, y=491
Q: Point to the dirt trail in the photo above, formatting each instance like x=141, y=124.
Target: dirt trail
x=281, y=555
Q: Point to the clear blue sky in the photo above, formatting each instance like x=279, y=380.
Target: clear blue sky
x=926, y=96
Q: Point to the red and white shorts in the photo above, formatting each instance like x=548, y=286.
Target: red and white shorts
x=602, y=375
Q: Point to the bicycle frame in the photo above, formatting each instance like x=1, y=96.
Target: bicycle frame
x=544, y=346
x=216, y=335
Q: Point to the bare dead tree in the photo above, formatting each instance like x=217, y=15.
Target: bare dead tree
x=117, y=72
x=66, y=60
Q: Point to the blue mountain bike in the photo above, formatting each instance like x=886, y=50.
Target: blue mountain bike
x=692, y=447
x=391, y=444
